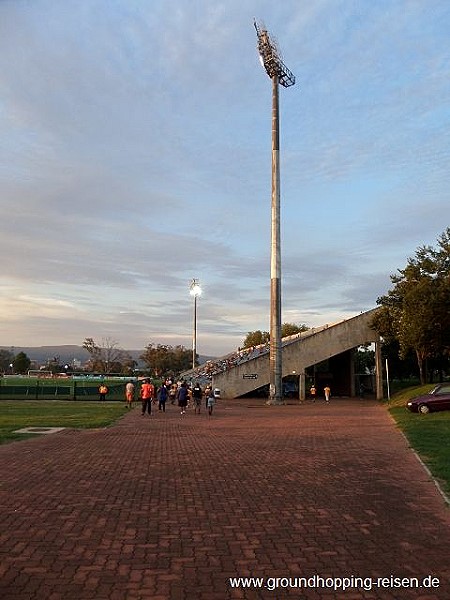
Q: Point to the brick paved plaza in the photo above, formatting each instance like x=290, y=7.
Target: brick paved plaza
x=171, y=507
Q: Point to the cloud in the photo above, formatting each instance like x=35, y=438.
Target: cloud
x=135, y=154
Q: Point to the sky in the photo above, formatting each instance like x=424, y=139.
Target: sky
x=135, y=155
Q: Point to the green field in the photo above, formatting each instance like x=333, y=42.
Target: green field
x=19, y=414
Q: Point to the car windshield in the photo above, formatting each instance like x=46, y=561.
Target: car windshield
x=441, y=389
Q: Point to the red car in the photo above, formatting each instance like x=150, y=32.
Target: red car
x=437, y=399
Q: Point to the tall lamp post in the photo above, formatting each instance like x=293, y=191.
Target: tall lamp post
x=280, y=75
x=195, y=290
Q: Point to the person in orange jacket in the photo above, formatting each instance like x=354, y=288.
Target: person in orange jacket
x=147, y=395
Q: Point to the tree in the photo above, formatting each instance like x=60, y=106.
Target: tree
x=54, y=364
x=21, y=363
x=182, y=359
x=128, y=365
x=107, y=357
x=288, y=329
x=6, y=359
x=416, y=311
x=164, y=360
x=401, y=366
x=256, y=338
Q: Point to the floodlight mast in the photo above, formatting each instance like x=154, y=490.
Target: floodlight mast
x=280, y=75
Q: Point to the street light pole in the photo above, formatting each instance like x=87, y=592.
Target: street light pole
x=280, y=75
x=195, y=290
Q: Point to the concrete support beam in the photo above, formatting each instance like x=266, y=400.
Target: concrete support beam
x=302, y=387
x=379, y=370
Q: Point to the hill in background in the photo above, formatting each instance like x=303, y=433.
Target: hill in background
x=68, y=352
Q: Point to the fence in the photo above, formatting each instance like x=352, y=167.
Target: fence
x=26, y=388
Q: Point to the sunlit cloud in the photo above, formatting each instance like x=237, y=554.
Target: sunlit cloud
x=135, y=154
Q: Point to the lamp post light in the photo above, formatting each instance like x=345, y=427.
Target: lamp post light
x=195, y=290
x=280, y=75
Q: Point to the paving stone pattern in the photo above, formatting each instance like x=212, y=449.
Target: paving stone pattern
x=170, y=507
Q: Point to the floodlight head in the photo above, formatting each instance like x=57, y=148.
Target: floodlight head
x=270, y=57
x=195, y=289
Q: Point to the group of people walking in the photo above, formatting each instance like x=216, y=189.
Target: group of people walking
x=177, y=393
x=326, y=393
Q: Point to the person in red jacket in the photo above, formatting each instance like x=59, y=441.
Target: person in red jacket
x=147, y=395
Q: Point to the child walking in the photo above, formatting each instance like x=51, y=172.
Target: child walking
x=211, y=402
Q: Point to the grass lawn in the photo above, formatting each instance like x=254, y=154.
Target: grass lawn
x=23, y=413
x=429, y=435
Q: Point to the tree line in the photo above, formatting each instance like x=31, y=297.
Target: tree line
x=108, y=357
x=414, y=316
x=159, y=359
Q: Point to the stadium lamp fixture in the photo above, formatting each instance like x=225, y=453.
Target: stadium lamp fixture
x=195, y=289
x=270, y=57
